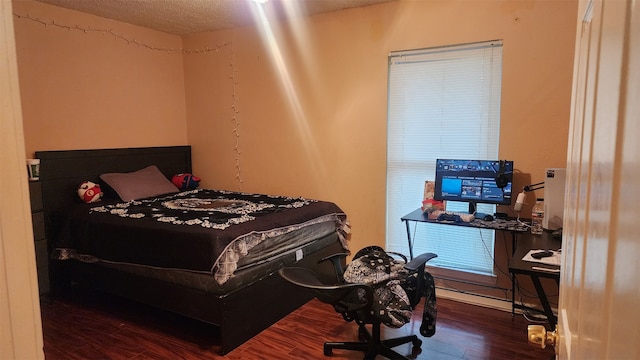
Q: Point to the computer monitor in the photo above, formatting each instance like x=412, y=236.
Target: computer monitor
x=474, y=181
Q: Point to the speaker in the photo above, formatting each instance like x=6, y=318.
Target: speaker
x=554, y=198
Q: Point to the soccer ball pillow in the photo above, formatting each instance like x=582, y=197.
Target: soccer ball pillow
x=185, y=181
x=90, y=192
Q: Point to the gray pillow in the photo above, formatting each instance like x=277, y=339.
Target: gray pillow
x=139, y=184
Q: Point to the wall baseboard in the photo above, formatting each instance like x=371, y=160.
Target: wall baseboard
x=488, y=302
x=466, y=298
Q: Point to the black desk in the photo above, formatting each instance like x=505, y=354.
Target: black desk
x=525, y=242
x=511, y=226
x=519, y=266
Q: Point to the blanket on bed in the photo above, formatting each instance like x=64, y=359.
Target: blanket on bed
x=190, y=230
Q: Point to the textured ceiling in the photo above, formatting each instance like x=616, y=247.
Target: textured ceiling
x=183, y=17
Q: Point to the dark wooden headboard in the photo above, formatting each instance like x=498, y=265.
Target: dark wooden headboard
x=62, y=171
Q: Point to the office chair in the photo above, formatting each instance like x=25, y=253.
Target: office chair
x=357, y=302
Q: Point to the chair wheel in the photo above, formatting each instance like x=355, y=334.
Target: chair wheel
x=416, y=350
x=362, y=333
x=327, y=351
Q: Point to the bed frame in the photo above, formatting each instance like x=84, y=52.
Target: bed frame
x=239, y=314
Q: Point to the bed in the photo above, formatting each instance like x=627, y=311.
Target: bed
x=207, y=254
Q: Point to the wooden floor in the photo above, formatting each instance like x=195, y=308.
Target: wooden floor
x=89, y=325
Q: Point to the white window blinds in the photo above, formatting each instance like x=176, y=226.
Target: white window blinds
x=443, y=103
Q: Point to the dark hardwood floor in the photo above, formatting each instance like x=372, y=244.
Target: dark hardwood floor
x=89, y=325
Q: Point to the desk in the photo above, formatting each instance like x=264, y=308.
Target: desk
x=519, y=266
x=521, y=247
x=511, y=226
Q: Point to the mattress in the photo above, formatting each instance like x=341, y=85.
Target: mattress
x=209, y=232
x=242, y=277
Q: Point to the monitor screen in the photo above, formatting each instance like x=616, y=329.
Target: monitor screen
x=474, y=181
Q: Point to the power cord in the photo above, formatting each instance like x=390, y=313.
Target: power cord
x=522, y=222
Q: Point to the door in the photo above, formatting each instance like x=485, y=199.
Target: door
x=20, y=325
x=600, y=281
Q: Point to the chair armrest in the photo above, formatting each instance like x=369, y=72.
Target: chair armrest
x=419, y=261
x=337, y=264
x=331, y=294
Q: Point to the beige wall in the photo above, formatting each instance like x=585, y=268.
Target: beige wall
x=329, y=141
x=315, y=126
x=83, y=90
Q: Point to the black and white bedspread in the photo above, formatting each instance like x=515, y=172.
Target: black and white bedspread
x=199, y=230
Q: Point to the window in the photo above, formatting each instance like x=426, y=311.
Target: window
x=443, y=103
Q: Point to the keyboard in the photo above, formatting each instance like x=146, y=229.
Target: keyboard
x=441, y=215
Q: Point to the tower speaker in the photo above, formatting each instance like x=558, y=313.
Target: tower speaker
x=554, y=198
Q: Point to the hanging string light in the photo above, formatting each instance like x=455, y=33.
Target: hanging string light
x=133, y=41
x=234, y=107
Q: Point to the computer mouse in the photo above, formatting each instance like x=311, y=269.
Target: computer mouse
x=488, y=218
